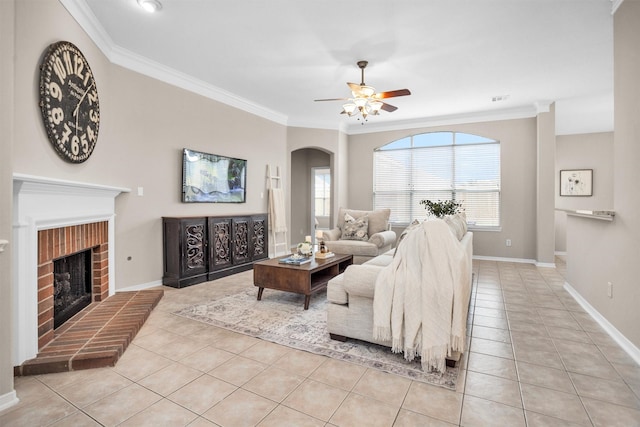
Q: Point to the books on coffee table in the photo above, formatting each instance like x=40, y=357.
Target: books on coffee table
x=295, y=260
x=324, y=255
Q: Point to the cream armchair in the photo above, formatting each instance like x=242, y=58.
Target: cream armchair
x=363, y=234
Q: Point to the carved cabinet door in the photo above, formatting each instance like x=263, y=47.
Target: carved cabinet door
x=193, y=246
x=259, y=237
x=220, y=243
x=242, y=245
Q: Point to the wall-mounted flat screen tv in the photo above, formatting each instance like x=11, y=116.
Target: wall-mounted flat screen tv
x=208, y=178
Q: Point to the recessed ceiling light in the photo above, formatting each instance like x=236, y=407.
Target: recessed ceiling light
x=150, y=5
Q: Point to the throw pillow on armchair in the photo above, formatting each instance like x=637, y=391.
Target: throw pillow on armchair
x=355, y=229
x=364, y=234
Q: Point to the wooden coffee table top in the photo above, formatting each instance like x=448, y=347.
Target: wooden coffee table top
x=314, y=265
x=305, y=279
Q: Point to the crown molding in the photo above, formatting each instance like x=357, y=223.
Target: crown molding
x=543, y=106
x=615, y=4
x=142, y=65
x=85, y=17
x=454, y=119
x=129, y=60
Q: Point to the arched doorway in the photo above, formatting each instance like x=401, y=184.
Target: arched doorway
x=306, y=165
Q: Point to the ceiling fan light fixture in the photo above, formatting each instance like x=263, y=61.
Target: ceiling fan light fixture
x=375, y=106
x=349, y=108
x=360, y=102
x=366, y=91
x=364, y=100
x=150, y=6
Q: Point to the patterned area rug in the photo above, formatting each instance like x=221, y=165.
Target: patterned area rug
x=280, y=318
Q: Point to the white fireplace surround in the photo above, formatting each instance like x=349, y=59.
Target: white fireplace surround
x=44, y=203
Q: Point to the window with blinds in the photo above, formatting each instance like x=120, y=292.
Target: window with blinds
x=439, y=166
x=322, y=191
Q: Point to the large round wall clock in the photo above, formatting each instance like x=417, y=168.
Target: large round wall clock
x=69, y=102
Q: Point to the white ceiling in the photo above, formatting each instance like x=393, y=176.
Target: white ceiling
x=273, y=58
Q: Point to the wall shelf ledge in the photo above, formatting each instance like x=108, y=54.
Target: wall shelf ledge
x=600, y=215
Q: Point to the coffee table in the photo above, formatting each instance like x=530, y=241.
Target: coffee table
x=305, y=279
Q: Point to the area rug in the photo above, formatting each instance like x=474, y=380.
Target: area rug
x=280, y=318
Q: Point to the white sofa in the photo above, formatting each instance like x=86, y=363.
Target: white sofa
x=379, y=238
x=351, y=295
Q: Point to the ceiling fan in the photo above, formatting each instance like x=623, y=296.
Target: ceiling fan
x=364, y=99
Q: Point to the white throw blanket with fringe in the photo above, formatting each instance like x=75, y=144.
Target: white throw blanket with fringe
x=421, y=297
x=278, y=221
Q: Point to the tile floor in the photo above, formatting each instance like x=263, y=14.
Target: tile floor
x=536, y=359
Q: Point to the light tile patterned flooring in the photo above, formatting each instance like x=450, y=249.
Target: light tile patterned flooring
x=536, y=359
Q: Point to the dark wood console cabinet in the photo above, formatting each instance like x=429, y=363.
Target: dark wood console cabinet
x=198, y=249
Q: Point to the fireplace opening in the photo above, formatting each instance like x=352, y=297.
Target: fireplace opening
x=71, y=286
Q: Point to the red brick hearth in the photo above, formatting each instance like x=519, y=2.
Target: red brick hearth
x=99, y=334
x=96, y=337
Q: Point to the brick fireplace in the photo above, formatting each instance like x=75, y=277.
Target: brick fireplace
x=65, y=241
x=53, y=218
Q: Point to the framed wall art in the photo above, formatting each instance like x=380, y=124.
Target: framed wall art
x=576, y=182
x=209, y=178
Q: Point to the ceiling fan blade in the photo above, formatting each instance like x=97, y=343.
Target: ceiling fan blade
x=354, y=87
x=392, y=93
x=388, y=107
x=332, y=99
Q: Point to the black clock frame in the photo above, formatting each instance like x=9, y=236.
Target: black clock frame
x=69, y=102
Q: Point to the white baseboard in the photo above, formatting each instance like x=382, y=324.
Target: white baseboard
x=518, y=260
x=501, y=259
x=545, y=264
x=7, y=400
x=141, y=287
x=622, y=341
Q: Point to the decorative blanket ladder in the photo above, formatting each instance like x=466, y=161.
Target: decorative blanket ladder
x=277, y=212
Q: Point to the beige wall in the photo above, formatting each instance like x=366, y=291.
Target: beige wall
x=38, y=24
x=599, y=251
x=7, y=51
x=340, y=184
x=334, y=144
x=518, y=169
x=302, y=162
x=144, y=125
x=588, y=151
x=545, y=159
x=152, y=124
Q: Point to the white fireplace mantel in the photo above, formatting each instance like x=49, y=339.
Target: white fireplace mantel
x=41, y=203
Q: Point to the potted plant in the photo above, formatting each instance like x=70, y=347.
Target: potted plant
x=441, y=208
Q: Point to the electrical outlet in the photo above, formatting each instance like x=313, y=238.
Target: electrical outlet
x=508, y=243
x=610, y=289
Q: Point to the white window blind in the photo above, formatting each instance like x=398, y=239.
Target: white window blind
x=439, y=166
